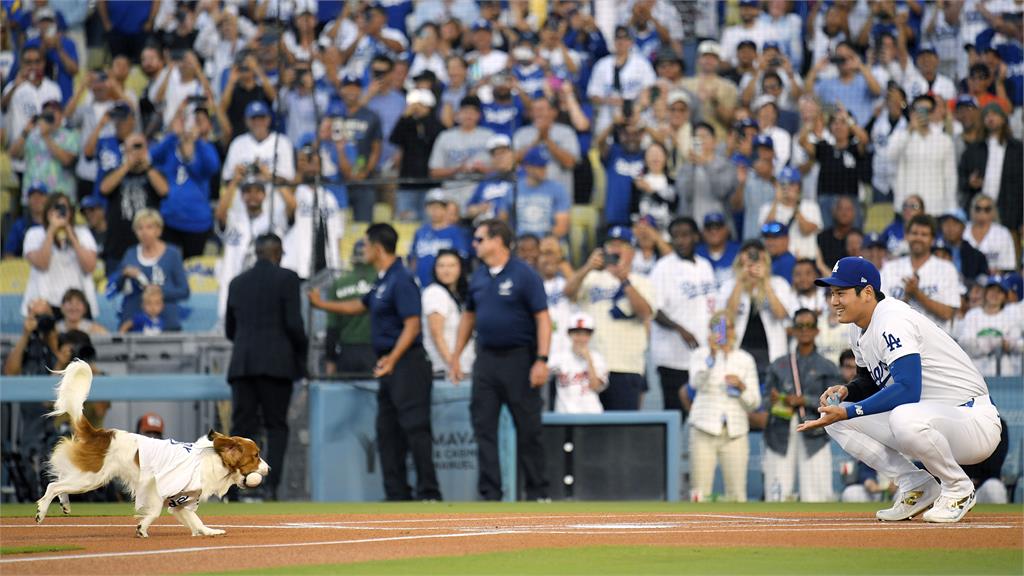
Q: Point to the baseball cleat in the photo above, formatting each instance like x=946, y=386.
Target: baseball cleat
x=911, y=503
x=950, y=508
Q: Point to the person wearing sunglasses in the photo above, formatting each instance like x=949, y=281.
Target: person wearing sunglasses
x=23, y=98
x=795, y=382
x=989, y=237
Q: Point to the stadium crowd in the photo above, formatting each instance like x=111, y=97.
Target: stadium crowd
x=728, y=153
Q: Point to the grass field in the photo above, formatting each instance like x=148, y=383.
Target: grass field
x=845, y=552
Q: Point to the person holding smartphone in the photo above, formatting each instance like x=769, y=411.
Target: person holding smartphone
x=725, y=379
x=926, y=164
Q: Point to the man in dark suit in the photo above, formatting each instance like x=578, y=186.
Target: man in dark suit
x=264, y=321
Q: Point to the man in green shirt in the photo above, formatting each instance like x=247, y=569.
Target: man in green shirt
x=348, y=347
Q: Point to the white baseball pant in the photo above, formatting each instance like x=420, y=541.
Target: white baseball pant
x=814, y=471
x=940, y=436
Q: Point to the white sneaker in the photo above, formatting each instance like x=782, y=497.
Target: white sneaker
x=950, y=509
x=911, y=503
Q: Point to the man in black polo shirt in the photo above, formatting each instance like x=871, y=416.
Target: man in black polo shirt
x=508, y=307
x=403, y=399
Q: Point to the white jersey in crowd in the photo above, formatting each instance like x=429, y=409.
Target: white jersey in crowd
x=622, y=341
x=634, y=76
x=245, y=149
x=437, y=300
x=574, y=394
x=800, y=245
x=239, y=238
x=896, y=330
x=298, y=243
x=774, y=327
x=560, y=308
x=937, y=278
x=685, y=291
x=982, y=335
x=997, y=246
x=176, y=468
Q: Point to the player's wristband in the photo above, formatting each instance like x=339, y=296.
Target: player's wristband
x=542, y=358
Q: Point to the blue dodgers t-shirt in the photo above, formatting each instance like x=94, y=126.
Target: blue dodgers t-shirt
x=536, y=206
x=505, y=305
x=782, y=265
x=395, y=297
x=497, y=191
x=128, y=16
x=109, y=151
x=502, y=118
x=428, y=242
x=620, y=170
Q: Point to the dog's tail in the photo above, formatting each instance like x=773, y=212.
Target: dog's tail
x=75, y=382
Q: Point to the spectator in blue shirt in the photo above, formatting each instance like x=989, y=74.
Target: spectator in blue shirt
x=492, y=196
x=775, y=236
x=855, y=88
x=386, y=100
x=542, y=205
x=403, y=399
x=188, y=160
x=717, y=247
x=434, y=236
x=126, y=24
x=33, y=216
x=58, y=50
x=623, y=162
x=504, y=113
x=151, y=262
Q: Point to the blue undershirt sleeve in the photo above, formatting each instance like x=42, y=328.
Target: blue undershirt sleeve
x=905, y=389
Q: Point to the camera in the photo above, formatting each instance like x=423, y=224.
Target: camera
x=753, y=255
x=610, y=258
x=837, y=60
x=45, y=323
x=197, y=100
x=627, y=108
x=177, y=55
x=775, y=61
x=120, y=111
x=62, y=210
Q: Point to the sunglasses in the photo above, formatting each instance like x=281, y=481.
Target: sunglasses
x=805, y=326
x=987, y=208
x=911, y=206
x=771, y=229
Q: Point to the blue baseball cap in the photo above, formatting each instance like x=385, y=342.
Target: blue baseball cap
x=790, y=175
x=480, y=24
x=749, y=4
x=536, y=156
x=967, y=100
x=773, y=229
x=336, y=109
x=928, y=49
x=940, y=244
x=740, y=160
x=771, y=44
x=256, y=108
x=875, y=240
x=852, y=272
x=1014, y=283
x=351, y=80
x=764, y=141
x=714, y=219
x=93, y=201
x=306, y=139
x=746, y=123
x=957, y=214
x=38, y=187
x=623, y=233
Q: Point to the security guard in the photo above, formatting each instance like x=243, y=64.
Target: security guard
x=403, y=399
x=509, y=309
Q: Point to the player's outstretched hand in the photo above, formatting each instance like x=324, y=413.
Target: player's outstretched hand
x=829, y=415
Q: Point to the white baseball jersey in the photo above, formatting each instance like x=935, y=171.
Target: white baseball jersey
x=573, y=392
x=896, y=330
x=245, y=149
x=937, y=278
x=298, y=243
x=176, y=467
x=685, y=291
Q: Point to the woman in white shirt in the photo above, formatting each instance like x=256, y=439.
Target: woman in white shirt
x=991, y=238
x=725, y=378
x=62, y=256
x=992, y=334
x=442, y=308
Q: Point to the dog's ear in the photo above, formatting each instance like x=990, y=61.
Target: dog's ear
x=229, y=450
x=212, y=434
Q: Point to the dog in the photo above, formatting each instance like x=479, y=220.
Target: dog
x=155, y=471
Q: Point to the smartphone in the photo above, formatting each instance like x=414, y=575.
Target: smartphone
x=721, y=336
x=837, y=60
x=610, y=259
x=627, y=108
x=62, y=210
x=48, y=117
x=555, y=83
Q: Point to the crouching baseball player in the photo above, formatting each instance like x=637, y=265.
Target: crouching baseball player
x=916, y=397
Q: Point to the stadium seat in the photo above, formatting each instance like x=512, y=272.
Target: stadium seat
x=583, y=231
x=382, y=212
x=878, y=216
x=13, y=276
x=406, y=232
x=353, y=232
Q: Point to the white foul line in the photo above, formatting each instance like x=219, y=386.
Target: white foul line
x=246, y=547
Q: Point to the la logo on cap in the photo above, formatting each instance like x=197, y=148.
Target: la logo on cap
x=864, y=280
x=836, y=268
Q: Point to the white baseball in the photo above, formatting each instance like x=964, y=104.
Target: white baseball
x=253, y=479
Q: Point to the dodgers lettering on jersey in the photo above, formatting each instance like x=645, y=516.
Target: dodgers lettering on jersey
x=896, y=330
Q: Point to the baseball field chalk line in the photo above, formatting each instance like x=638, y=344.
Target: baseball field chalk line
x=247, y=547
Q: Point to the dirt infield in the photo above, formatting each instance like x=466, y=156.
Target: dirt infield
x=108, y=545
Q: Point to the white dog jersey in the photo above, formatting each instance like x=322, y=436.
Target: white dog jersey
x=897, y=330
x=176, y=467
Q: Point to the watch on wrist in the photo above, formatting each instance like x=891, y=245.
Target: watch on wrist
x=542, y=358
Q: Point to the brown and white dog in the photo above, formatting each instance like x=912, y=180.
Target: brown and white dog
x=155, y=471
